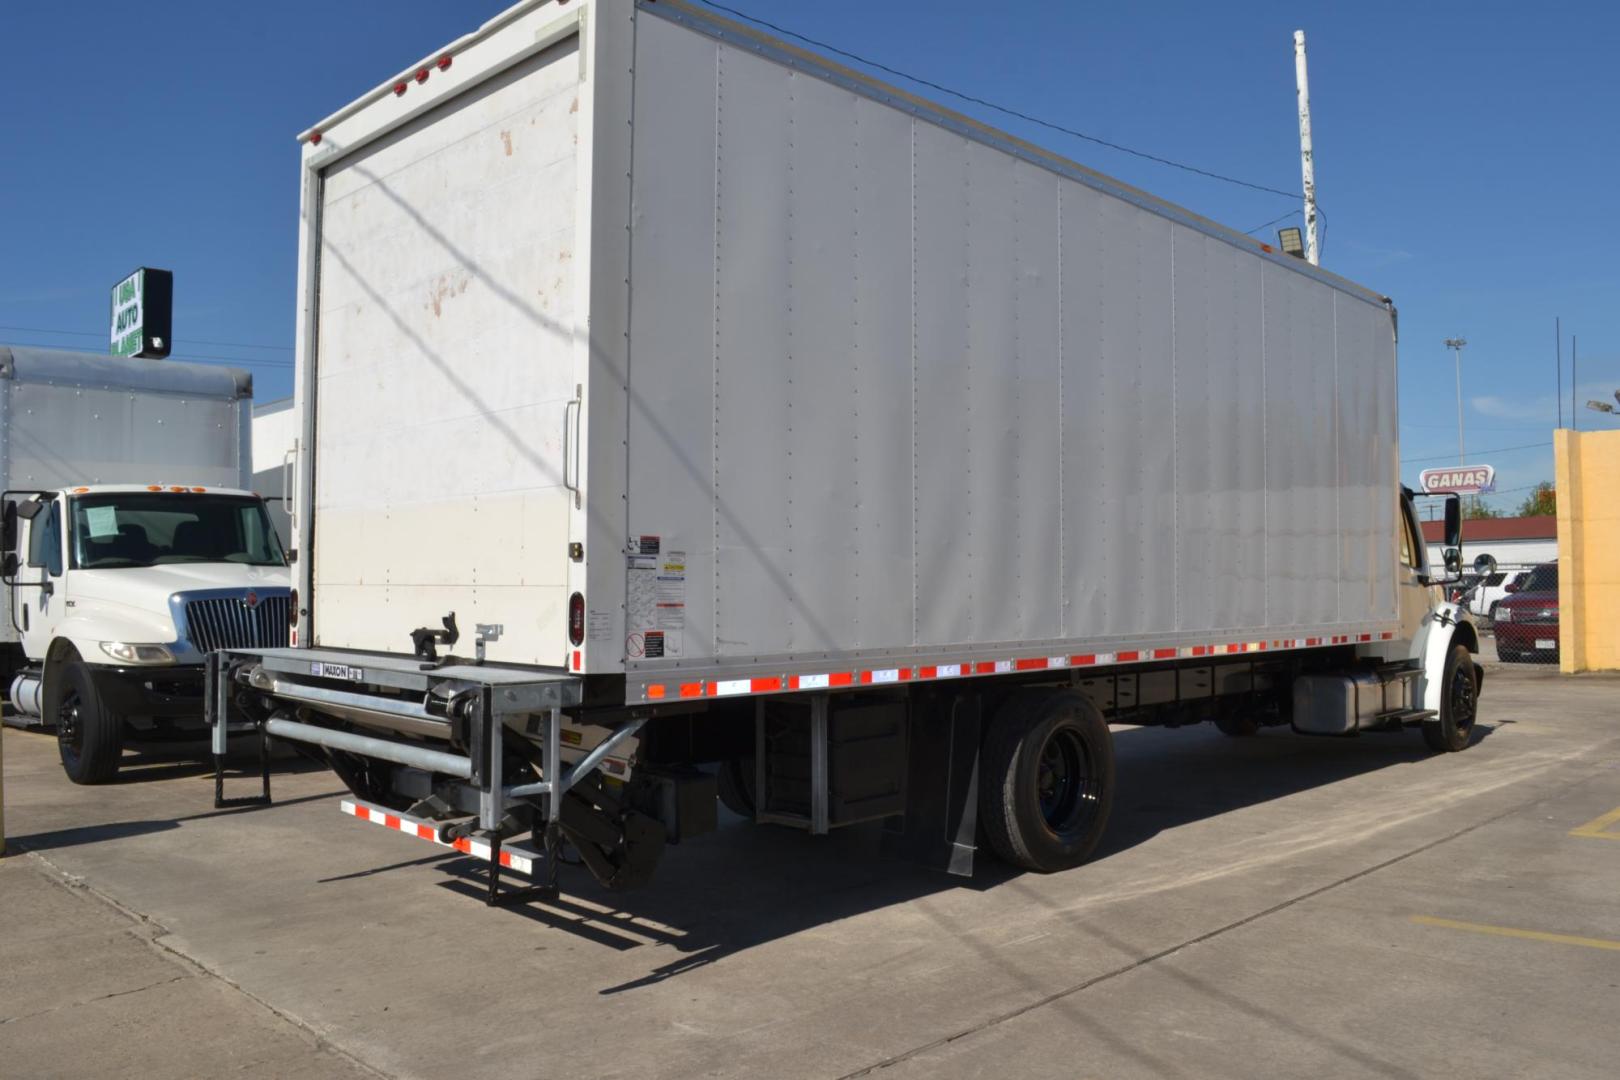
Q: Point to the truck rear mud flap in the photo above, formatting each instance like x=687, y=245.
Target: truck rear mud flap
x=468, y=756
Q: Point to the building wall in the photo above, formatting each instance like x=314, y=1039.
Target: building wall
x=1588, y=478
x=275, y=426
x=1509, y=554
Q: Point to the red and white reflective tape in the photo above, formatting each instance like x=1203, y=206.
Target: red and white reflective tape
x=833, y=680
x=513, y=856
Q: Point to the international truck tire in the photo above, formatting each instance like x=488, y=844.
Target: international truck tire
x=1236, y=718
x=89, y=736
x=1459, y=699
x=735, y=782
x=1047, y=780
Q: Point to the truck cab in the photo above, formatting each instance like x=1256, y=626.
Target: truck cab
x=117, y=592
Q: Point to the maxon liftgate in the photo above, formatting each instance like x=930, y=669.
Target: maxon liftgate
x=501, y=775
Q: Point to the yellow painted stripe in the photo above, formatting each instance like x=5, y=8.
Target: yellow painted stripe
x=1598, y=827
x=1514, y=932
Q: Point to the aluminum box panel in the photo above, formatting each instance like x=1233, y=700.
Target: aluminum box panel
x=1064, y=417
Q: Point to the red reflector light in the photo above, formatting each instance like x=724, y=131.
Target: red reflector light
x=421, y=76
x=576, y=619
x=444, y=62
x=315, y=138
x=400, y=87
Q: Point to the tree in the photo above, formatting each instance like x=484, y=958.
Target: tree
x=1474, y=507
x=1541, y=502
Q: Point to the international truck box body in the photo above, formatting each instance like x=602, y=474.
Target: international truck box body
x=686, y=417
x=819, y=378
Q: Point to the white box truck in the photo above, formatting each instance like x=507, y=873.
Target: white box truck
x=751, y=413
x=130, y=544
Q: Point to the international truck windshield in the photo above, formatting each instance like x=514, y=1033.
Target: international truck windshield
x=137, y=529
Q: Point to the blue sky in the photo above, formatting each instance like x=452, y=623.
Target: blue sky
x=1464, y=152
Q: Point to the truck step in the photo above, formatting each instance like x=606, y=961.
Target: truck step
x=1397, y=718
x=514, y=856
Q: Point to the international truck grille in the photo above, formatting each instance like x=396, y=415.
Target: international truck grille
x=228, y=622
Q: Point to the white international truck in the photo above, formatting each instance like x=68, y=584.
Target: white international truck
x=130, y=547
x=682, y=411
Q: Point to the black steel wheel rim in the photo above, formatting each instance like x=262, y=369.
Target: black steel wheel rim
x=68, y=730
x=1066, y=783
x=1462, y=700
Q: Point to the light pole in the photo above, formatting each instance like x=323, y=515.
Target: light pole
x=1455, y=344
x=1604, y=406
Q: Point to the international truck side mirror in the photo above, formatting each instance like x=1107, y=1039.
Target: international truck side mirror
x=1453, y=521
x=1485, y=565
x=9, y=564
x=8, y=527
x=1453, y=560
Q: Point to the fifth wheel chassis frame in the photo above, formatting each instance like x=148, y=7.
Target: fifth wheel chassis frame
x=464, y=702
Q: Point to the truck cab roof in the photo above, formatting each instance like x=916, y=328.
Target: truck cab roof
x=155, y=488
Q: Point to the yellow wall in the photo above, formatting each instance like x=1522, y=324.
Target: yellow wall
x=1588, y=477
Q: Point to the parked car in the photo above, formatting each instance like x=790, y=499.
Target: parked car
x=1493, y=597
x=1482, y=592
x=1527, y=619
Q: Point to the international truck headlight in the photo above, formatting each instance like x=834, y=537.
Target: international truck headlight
x=137, y=654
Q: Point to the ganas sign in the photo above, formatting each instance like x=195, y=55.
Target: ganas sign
x=141, y=314
x=1461, y=479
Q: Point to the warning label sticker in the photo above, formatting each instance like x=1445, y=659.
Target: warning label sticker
x=655, y=591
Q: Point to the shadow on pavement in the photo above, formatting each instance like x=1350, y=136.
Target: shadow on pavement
x=747, y=885
x=56, y=839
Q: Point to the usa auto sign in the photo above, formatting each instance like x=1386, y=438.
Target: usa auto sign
x=1461, y=479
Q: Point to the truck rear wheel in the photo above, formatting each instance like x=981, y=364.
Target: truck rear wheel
x=89, y=736
x=1047, y=780
x=1459, y=701
x=1235, y=716
x=735, y=782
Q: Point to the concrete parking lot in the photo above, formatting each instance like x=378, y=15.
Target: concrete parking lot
x=1276, y=906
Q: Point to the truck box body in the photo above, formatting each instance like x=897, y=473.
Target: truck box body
x=829, y=383
x=69, y=418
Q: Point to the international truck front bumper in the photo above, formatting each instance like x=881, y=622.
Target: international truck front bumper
x=168, y=692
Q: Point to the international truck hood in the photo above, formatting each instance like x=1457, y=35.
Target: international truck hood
x=148, y=588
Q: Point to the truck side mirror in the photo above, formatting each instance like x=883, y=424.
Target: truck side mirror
x=9, y=564
x=1453, y=521
x=1453, y=560
x=1485, y=565
x=8, y=527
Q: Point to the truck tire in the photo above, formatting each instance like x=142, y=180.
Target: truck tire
x=1459, y=700
x=735, y=782
x=89, y=736
x=1235, y=716
x=1046, y=781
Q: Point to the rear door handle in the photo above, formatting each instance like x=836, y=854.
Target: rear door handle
x=571, y=417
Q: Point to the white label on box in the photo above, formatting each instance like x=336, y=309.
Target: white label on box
x=655, y=593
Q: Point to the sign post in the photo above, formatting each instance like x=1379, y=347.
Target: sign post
x=142, y=311
x=1459, y=480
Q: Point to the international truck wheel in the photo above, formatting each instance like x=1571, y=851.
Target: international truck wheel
x=89, y=736
x=1459, y=698
x=1047, y=780
x=1236, y=718
x=735, y=781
